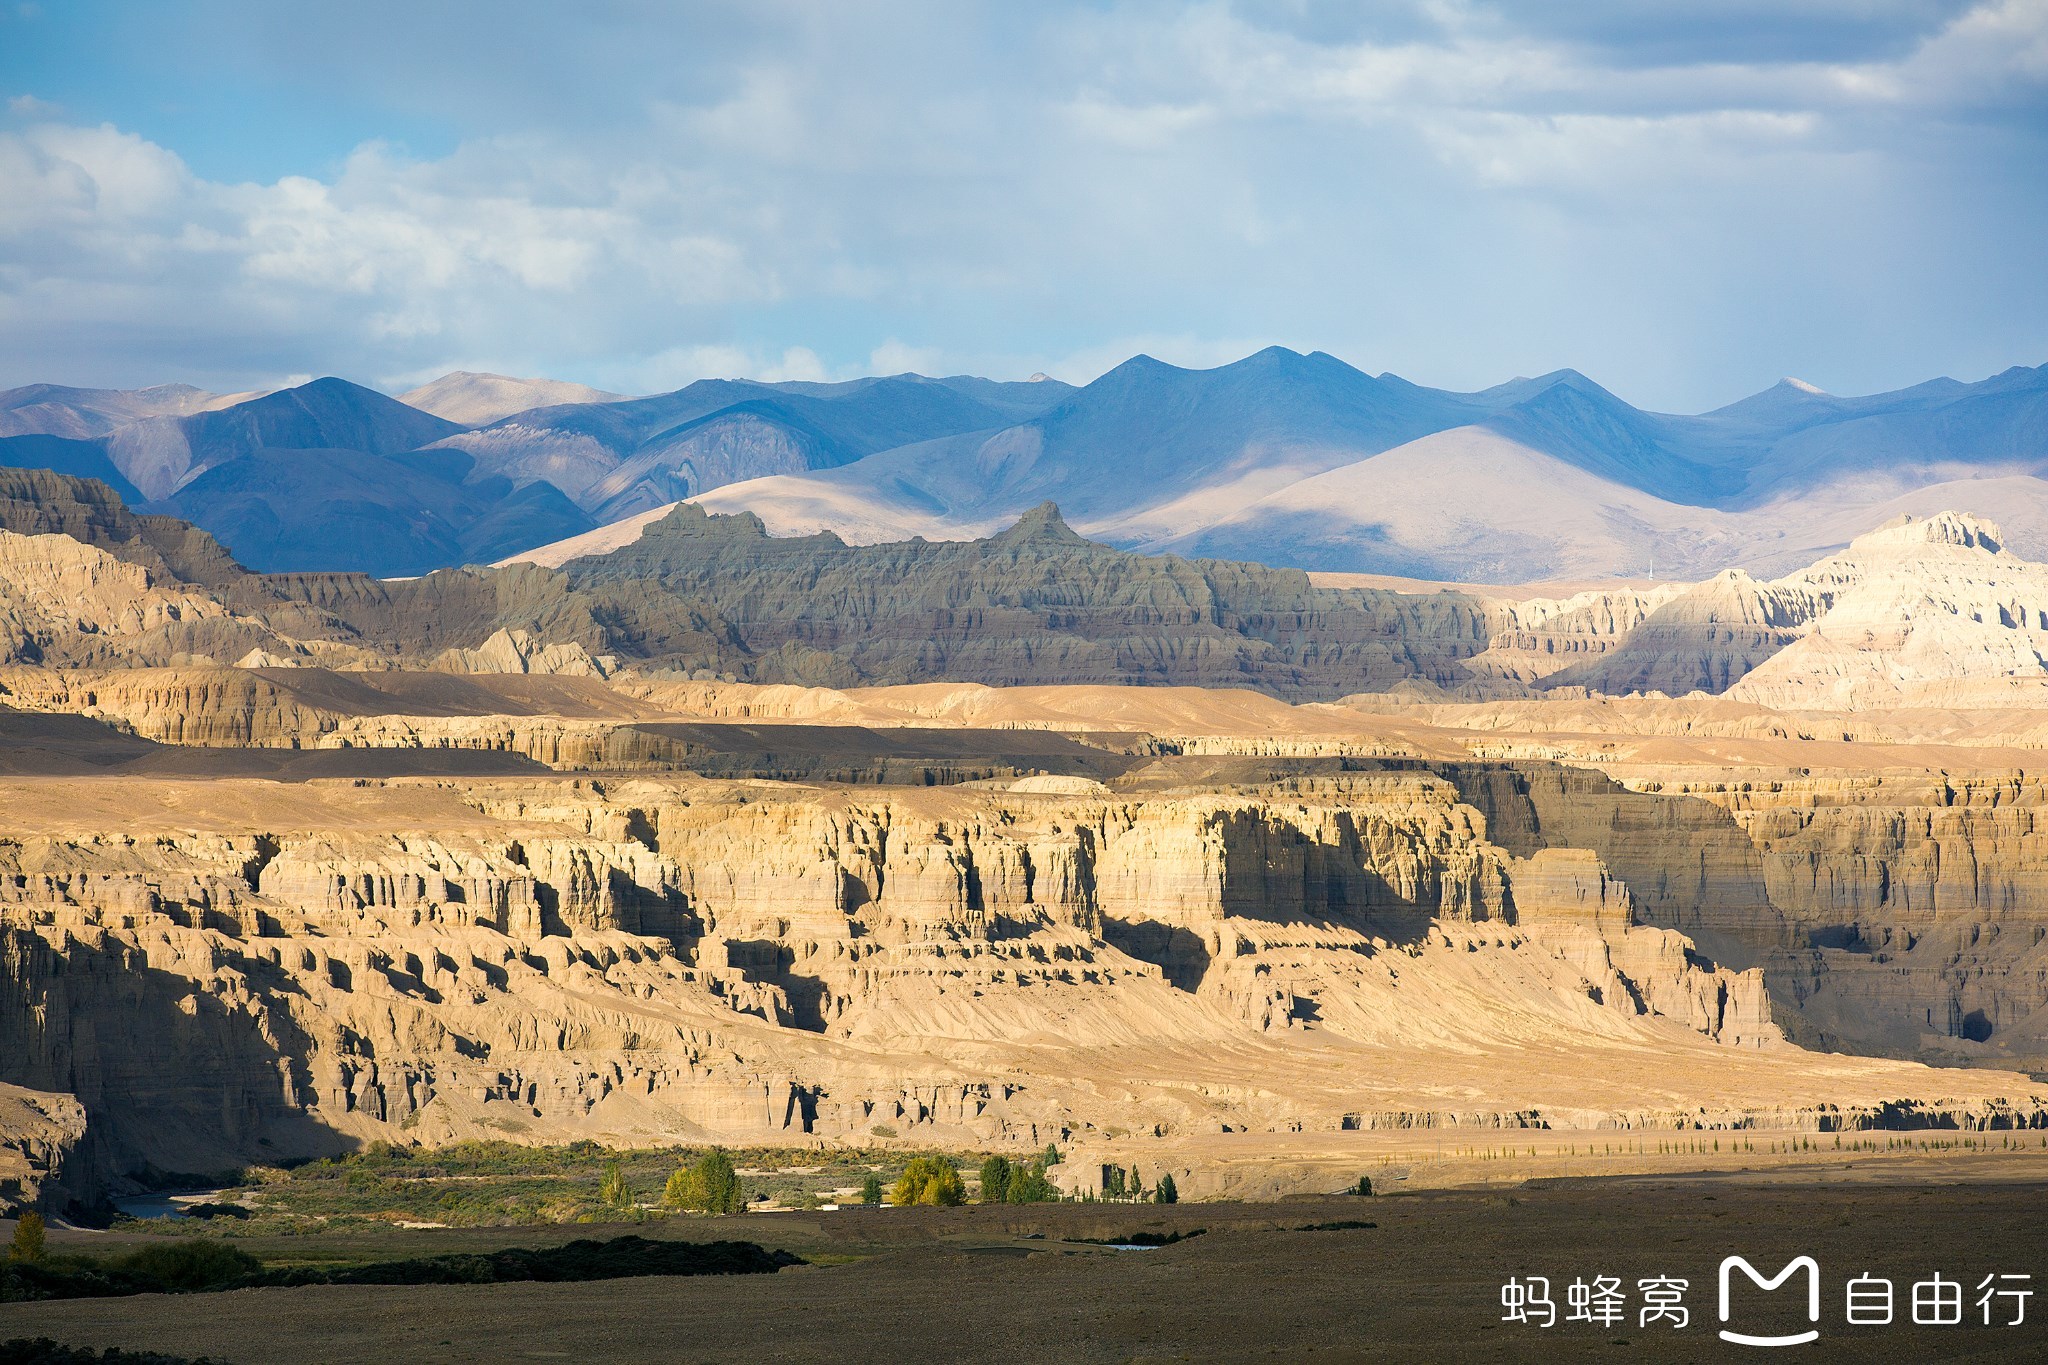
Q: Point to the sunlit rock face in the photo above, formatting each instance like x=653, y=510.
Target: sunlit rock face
x=683, y=960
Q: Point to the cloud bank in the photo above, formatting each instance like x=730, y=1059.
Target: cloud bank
x=1685, y=208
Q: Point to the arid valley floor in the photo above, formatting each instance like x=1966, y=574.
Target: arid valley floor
x=1407, y=1277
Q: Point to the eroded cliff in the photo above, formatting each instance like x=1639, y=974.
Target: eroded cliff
x=1898, y=913
x=686, y=959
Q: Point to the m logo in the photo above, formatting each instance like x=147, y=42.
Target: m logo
x=1805, y=1263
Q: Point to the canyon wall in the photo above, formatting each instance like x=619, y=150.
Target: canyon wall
x=1896, y=913
x=686, y=960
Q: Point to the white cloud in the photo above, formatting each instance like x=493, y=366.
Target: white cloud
x=1579, y=151
x=893, y=357
x=1445, y=190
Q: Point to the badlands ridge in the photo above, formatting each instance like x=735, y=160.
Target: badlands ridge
x=1000, y=843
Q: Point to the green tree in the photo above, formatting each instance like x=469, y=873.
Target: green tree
x=930, y=1180
x=1166, y=1192
x=719, y=1180
x=612, y=1190
x=1113, y=1183
x=1364, y=1185
x=28, y=1238
x=1135, y=1186
x=682, y=1191
x=995, y=1180
x=1052, y=1156
x=1028, y=1185
x=871, y=1189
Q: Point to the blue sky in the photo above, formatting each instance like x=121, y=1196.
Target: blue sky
x=1684, y=201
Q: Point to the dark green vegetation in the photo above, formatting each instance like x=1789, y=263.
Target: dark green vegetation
x=699, y=594
x=581, y=1260
x=198, y=1265
x=185, y=1266
x=490, y=1184
x=43, y=1351
x=1024, y=1182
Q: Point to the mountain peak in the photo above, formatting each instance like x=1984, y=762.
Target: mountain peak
x=1801, y=386
x=1272, y=355
x=474, y=397
x=1958, y=529
x=1043, y=524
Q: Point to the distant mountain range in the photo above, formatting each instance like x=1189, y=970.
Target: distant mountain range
x=1305, y=461
x=1281, y=458
x=1922, y=613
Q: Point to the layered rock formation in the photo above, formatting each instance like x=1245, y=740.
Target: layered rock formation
x=688, y=960
x=1931, y=611
x=1893, y=914
x=718, y=597
x=42, y=1150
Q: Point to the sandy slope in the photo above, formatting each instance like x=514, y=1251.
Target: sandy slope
x=474, y=399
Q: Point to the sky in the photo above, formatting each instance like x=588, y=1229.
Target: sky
x=1685, y=201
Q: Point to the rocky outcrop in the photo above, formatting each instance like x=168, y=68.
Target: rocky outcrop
x=718, y=597
x=1532, y=639
x=1931, y=611
x=1895, y=914
x=42, y=1137
x=62, y=601
x=1927, y=612
x=683, y=960
x=517, y=651
x=1702, y=640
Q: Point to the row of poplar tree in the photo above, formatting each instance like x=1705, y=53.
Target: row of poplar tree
x=711, y=1184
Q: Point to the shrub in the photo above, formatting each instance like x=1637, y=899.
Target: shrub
x=44, y=1351
x=577, y=1261
x=28, y=1238
x=188, y=1264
